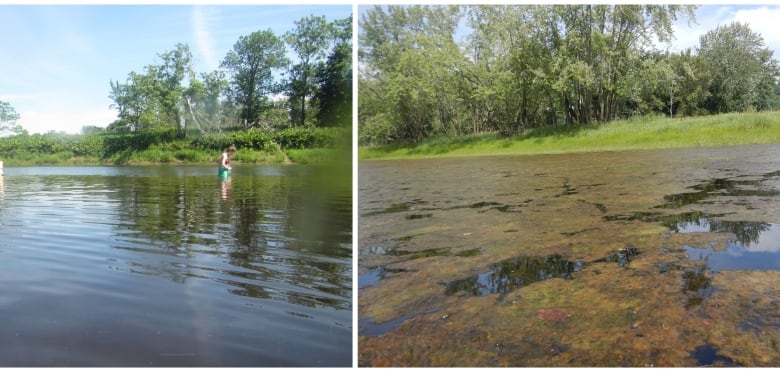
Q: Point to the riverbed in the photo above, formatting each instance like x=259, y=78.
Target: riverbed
x=638, y=258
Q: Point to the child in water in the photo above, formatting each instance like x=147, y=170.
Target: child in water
x=224, y=162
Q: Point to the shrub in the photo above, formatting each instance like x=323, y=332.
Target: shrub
x=188, y=155
x=377, y=130
x=306, y=138
x=252, y=139
x=114, y=143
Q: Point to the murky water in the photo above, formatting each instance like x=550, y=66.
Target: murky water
x=642, y=258
x=169, y=266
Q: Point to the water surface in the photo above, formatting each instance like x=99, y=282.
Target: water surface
x=169, y=266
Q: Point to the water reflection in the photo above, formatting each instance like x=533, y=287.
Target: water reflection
x=262, y=277
x=225, y=184
x=696, y=281
x=707, y=355
x=513, y=273
x=517, y=272
x=756, y=236
x=756, y=244
x=721, y=187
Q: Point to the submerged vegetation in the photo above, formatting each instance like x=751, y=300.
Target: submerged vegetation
x=620, y=259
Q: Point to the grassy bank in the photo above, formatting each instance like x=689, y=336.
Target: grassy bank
x=637, y=133
x=296, y=145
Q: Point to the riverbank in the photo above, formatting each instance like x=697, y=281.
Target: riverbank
x=189, y=157
x=295, y=145
x=631, y=134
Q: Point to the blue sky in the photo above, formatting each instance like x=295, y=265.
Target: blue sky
x=56, y=61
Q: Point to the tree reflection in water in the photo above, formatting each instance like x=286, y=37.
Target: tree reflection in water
x=272, y=229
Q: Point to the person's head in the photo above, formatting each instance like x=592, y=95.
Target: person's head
x=231, y=149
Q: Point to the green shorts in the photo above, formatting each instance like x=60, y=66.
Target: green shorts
x=224, y=172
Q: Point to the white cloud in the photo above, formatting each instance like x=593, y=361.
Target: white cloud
x=763, y=20
x=203, y=40
x=64, y=121
x=14, y=97
x=760, y=19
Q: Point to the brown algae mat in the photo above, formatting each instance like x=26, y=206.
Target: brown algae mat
x=644, y=258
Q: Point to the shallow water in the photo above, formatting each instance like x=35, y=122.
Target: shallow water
x=168, y=266
x=657, y=258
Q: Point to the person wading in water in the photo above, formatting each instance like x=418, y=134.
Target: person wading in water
x=224, y=162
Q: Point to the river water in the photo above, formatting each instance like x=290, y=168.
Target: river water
x=171, y=266
x=639, y=258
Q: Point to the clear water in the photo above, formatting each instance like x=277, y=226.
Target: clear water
x=169, y=266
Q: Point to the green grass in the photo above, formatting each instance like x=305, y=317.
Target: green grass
x=630, y=134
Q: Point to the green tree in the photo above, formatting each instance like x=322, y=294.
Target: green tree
x=205, y=101
x=510, y=72
x=673, y=84
x=252, y=62
x=607, y=42
x=176, y=66
x=309, y=40
x=137, y=102
x=334, y=78
x=409, y=56
x=743, y=71
x=156, y=97
x=8, y=118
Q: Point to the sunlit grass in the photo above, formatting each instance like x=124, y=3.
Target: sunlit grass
x=635, y=133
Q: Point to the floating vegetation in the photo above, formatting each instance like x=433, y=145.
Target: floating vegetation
x=419, y=216
x=553, y=315
x=431, y=252
x=469, y=252
x=369, y=328
x=567, y=189
x=579, y=232
x=483, y=204
x=491, y=205
x=631, y=269
x=395, y=208
x=601, y=207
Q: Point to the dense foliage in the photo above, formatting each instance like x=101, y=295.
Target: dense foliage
x=164, y=146
x=524, y=67
x=248, y=91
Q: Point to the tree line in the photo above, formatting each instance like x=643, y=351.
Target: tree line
x=314, y=91
x=520, y=67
